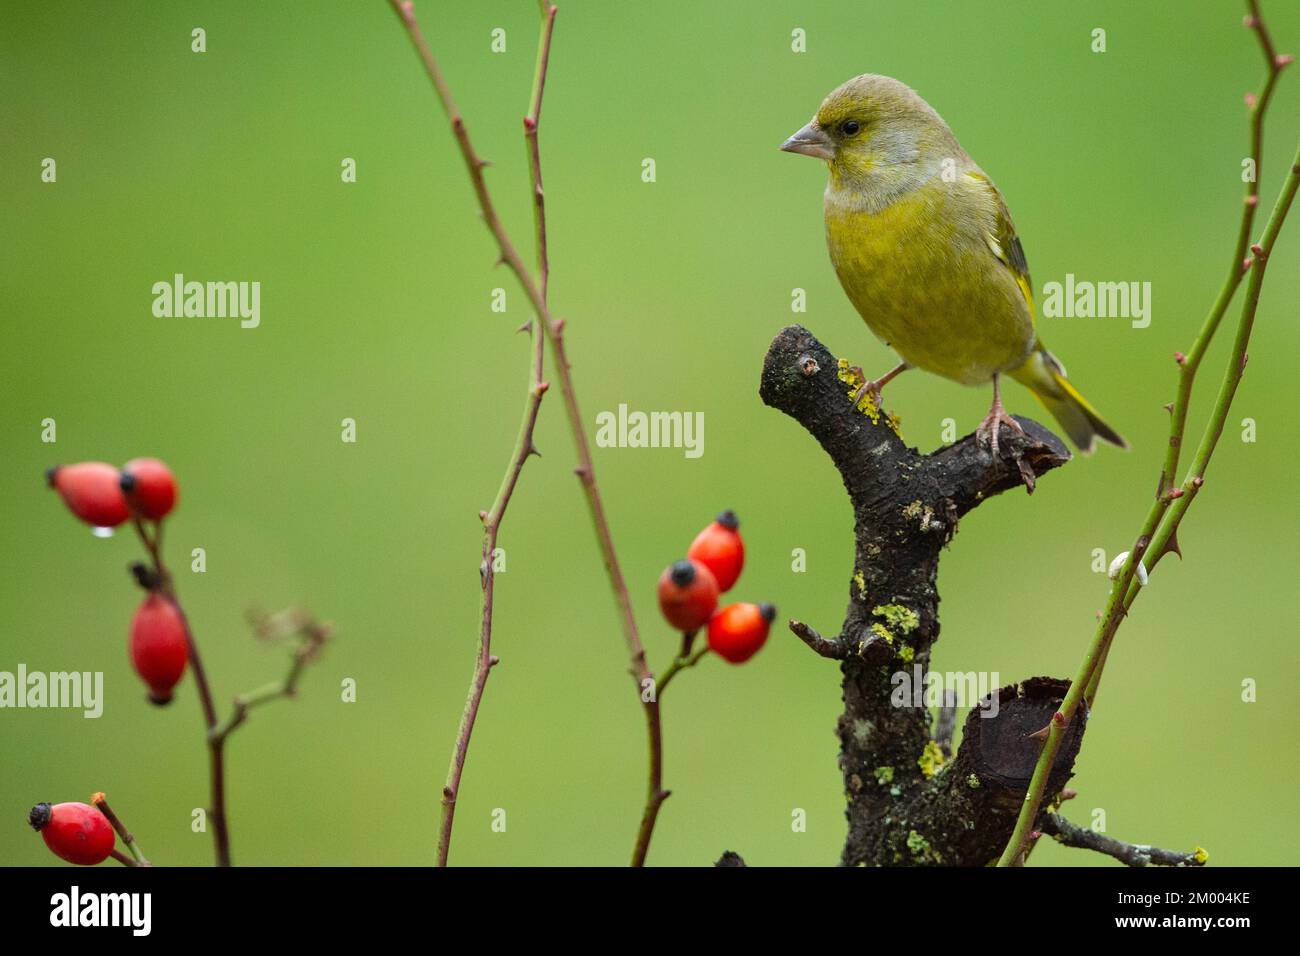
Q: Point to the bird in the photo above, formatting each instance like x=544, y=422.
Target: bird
x=926, y=251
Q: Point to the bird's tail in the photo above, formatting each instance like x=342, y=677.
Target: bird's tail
x=1043, y=375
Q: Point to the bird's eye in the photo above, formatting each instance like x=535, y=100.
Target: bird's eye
x=850, y=127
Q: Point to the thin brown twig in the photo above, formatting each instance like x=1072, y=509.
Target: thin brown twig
x=313, y=636
x=554, y=330
x=524, y=447
x=100, y=802
x=165, y=586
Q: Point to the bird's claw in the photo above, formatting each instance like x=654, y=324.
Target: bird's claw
x=874, y=388
x=987, y=432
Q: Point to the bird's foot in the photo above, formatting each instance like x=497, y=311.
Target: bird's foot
x=872, y=387
x=987, y=432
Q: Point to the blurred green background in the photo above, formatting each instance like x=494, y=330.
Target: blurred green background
x=1122, y=166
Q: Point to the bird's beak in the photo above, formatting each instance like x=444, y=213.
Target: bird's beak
x=811, y=141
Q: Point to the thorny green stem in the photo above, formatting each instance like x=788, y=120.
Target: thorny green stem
x=554, y=331
x=1191, y=363
x=1159, y=532
x=524, y=447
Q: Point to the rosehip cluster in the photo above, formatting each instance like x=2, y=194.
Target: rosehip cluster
x=104, y=497
x=144, y=489
x=689, y=590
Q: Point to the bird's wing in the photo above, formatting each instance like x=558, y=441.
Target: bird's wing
x=1000, y=235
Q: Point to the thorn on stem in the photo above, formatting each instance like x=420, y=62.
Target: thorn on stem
x=1252, y=200
x=543, y=387
x=1246, y=264
x=1180, y=358
x=530, y=124
x=1283, y=60
x=1251, y=101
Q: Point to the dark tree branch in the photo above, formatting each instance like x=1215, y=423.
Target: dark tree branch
x=905, y=804
x=1130, y=854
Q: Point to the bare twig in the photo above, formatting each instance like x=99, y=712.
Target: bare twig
x=554, y=330
x=312, y=637
x=826, y=648
x=1130, y=854
x=524, y=447
x=1159, y=531
x=137, y=858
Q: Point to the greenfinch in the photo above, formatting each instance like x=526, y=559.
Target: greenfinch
x=927, y=253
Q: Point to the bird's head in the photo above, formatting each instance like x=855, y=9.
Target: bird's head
x=870, y=127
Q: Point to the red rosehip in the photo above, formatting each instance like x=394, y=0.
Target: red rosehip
x=91, y=492
x=75, y=832
x=158, y=646
x=688, y=595
x=719, y=548
x=150, y=487
x=738, y=631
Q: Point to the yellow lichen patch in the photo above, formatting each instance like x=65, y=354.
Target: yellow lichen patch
x=931, y=759
x=860, y=580
x=898, y=617
x=1201, y=855
x=884, y=775
x=914, y=509
x=867, y=403
x=882, y=632
x=906, y=654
